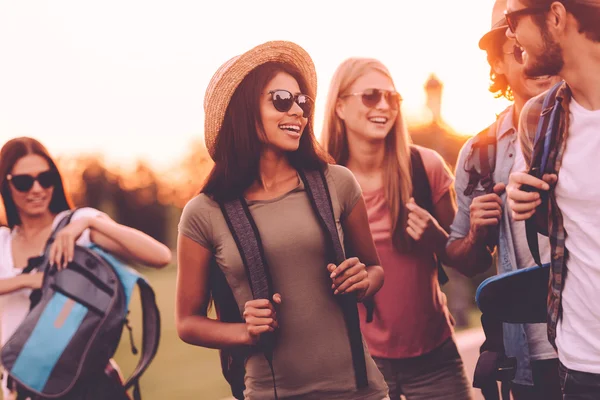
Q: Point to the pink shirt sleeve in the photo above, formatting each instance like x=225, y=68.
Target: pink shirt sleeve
x=440, y=176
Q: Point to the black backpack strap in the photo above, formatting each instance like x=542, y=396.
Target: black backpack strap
x=423, y=197
x=233, y=359
x=545, y=137
x=66, y=220
x=317, y=189
x=39, y=262
x=493, y=365
x=247, y=239
x=35, y=262
x=150, y=318
x=150, y=336
x=481, y=166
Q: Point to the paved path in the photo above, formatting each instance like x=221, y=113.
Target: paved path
x=468, y=343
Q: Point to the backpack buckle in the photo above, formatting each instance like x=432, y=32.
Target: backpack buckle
x=488, y=183
x=494, y=366
x=474, y=177
x=506, y=369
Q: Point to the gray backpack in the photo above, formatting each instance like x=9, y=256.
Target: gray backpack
x=63, y=347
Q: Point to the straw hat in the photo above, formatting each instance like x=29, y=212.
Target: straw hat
x=228, y=77
x=499, y=24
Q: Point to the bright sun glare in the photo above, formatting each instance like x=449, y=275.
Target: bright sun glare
x=127, y=79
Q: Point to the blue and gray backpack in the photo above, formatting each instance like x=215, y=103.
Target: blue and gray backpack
x=65, y=343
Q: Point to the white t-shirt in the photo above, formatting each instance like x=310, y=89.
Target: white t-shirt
x=15, y=306
x=578, y=197
x=537, y=334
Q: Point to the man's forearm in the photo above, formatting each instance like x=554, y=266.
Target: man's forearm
x=470, y=255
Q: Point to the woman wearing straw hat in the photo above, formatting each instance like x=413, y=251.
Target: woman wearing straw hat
x=259, y=131
x=411, y=333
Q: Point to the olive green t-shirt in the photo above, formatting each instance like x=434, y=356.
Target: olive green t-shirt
x=312, y=357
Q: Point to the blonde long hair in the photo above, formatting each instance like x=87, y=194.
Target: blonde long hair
x=397, y=169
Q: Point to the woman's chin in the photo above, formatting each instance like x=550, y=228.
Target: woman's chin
x=35, y=210
x=285, y=147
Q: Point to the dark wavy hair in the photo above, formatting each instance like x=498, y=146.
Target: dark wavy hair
x=498, y=82
x=12, y=152
x=237, y=154
x=587, y=16
x=238, y=147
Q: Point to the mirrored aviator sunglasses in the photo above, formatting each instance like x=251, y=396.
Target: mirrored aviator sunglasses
x=371, y=97
x=24, y=182
x=283, y=100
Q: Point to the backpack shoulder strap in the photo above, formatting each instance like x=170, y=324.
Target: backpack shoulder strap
x=547, y=129
x=423, y=197
x=420, y=181
x=227, y=310
x=545, y=136
x=66, y=220
x=315, y=184
x=150, y=317
x=247, y=239
x=150, y=335
x=35, y=262
x=482, y=160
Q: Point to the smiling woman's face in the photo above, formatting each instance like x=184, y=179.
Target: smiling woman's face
x=282, y=130
x=371, y=123
x=34, y=201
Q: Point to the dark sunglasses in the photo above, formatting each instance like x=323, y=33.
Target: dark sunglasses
x=372, y=97
x=24, y=182
x=283, y=100
x=517, y=53
x=513, y=17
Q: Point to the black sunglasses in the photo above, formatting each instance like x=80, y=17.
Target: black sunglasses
x=283, y=100
x=517, y=53
x=372, y=97
x=24, y=182
x=513, y=17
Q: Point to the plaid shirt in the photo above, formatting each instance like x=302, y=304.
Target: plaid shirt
x=530, y=116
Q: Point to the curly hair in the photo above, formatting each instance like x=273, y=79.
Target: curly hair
x=498, y=82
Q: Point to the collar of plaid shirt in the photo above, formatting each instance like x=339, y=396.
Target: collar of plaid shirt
x=529, y=120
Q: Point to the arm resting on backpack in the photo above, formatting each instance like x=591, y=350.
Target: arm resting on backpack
x=470, y=255
x=469, y=248
x=128, y=243
x=192, y=298
x=360, y=244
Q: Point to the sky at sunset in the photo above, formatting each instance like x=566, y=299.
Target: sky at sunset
x=127, y=78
